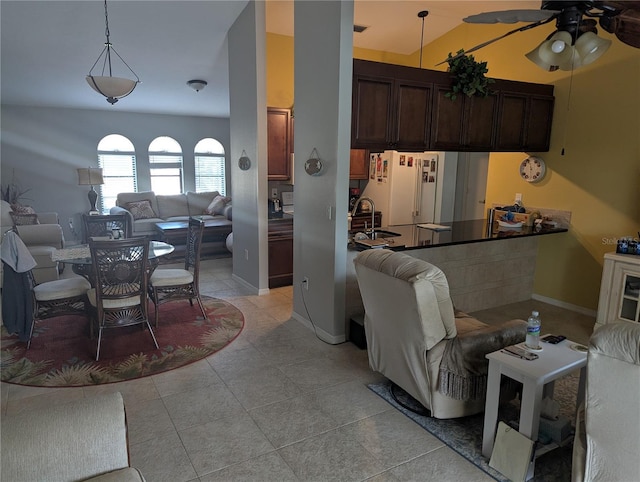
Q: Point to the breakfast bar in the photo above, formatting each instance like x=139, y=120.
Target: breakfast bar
x=485, y=268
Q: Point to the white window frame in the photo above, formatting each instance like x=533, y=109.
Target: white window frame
x=166, y=163
x=210, y=166
x=117, y=158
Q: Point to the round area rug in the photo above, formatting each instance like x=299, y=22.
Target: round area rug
x=63, y=355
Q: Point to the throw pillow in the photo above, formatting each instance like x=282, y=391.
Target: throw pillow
x=141, y=209
x=24, y=219
x=20, y=209
x=217, y=205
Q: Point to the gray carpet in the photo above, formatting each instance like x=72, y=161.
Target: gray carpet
x=464, y=435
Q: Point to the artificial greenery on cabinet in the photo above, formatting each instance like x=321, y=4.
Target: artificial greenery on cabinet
x=468, y=76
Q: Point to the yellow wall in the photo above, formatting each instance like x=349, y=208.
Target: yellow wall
x=598, y=125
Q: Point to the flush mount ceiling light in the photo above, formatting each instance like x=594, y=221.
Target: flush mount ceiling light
x=113, y=88
x=197, y=85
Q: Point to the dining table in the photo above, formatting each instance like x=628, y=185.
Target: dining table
x=79, y=257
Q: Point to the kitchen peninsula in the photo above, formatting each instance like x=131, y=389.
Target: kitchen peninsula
x=484, y=268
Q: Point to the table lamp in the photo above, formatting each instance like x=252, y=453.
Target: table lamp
x=91, y=177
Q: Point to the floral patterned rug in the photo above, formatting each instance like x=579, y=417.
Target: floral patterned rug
x=464, y=435
x=63, y=355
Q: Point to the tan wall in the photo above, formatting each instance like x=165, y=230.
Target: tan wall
x=597, y=178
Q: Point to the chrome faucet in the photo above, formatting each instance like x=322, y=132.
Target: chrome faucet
x=373, y=214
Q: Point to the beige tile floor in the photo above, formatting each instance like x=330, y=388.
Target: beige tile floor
x=278, y=404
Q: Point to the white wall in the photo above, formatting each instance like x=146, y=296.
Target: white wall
x=248, y=107
x=44, y=146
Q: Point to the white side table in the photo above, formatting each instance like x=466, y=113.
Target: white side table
x=554, y=361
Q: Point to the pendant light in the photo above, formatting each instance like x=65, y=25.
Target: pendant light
x=113, y=88
x=422, y=14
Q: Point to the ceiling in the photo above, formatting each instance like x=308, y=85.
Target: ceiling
x=48, y=47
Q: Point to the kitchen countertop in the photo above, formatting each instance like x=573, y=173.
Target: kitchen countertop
x=461, y=232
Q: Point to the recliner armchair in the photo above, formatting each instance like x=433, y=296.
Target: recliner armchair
x=416, y=340
x=605, y=447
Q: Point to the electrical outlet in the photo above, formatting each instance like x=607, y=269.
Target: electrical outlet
x=305, y=283
x=274, y=192
x=518, y=197
x=246, y=254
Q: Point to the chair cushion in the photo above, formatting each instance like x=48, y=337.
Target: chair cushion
x=113, y=304
x=171, y=277
x=62, y=288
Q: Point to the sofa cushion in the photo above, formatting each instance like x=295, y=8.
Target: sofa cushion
x=217, y=205
x=199, y=201
x=126, y=197
x=172, y=205
x=141, y=209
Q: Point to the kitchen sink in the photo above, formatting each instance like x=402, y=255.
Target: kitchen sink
x=381, y=233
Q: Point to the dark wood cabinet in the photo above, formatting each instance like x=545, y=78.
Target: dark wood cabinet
x=279, y=143
x=280, y=252
x=405, y=108
x=524, y=118
x=464, y=124
x=390, y=111
x=359, y=164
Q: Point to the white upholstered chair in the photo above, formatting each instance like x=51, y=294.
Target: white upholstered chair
x=415, y=339
x=607, y=442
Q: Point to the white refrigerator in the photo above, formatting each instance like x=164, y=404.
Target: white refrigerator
x=412, y=187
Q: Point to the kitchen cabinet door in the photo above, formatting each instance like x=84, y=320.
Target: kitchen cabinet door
x=359, y=164
x=464, y=124
x=524, y=122
x=412, y=109
x=278, y=144
x=371, y=111
x=280, y=253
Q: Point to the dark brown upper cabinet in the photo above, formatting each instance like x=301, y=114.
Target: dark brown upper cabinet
x=279, y=143
x=405, y=108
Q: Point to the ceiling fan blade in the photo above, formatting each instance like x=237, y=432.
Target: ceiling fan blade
x=510, y=16
x=625, y=26
x=510, y=32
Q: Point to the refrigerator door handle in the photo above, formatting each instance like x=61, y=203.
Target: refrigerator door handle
x=418, y=196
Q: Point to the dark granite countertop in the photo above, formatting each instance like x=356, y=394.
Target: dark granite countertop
x=413, y=237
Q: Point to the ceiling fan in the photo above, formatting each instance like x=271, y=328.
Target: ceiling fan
x=575, y=42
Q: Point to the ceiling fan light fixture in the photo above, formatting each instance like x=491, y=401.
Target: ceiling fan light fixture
x=590, y=47
x=554, y=53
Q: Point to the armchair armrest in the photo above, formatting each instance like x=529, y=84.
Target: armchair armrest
x=121, y=210
x=42, y=235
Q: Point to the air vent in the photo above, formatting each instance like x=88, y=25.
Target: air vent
x=359, y=28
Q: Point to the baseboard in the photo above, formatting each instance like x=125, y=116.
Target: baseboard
x=320, y=333
x=562, y=304
x=250, y=287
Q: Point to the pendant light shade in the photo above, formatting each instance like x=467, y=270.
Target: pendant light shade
x=113, y=88
x=590, y=47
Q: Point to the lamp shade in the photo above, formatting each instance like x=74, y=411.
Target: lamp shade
x=554, y=53
x=591, y=47
x=113, y=88
x=90, y=176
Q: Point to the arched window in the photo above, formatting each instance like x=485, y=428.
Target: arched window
x=165, y=165
x=209, y=163
x=117, y=158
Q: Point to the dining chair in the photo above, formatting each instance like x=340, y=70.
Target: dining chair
x=101, y=226
x=119, y=296
x=168, y=284
x=58, y=298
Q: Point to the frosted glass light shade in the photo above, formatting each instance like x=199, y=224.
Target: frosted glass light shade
x=591, y=47
x=113, y=88
x=554, y=53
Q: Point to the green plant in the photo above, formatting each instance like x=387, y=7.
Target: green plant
x=12, y=192
x=468, y=76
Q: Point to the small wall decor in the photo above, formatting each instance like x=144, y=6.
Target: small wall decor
x=313, y=165
x=244, y=162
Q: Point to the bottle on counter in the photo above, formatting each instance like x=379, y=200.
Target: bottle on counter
x=533, y=331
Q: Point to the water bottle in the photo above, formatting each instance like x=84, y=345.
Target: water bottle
x=533, y=331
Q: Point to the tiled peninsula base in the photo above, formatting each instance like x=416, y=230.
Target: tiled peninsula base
x=481, y=275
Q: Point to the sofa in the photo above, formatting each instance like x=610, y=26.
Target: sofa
x=607, y=440
x=171, y=207
x=80, y=440
x=41, y=239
